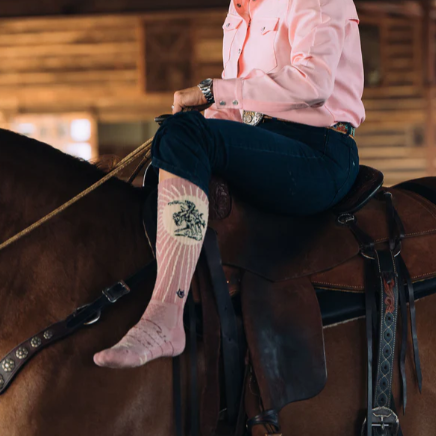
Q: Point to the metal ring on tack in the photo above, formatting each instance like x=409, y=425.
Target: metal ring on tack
x=346, y=218
x=93, y=320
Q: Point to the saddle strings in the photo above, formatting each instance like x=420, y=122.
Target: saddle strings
x=144, y=148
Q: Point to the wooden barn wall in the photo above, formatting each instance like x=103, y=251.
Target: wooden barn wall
x=393, y=135
x=124, y=68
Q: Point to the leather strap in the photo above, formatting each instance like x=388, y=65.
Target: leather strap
x=370, y=291
x=366, y=243
x=231, y=348
x=195, y=405
x=382, y=279
x=411, y=298
x=388, y=316
x=241, y=421
x=266, y=418
x=177, y=396
x=13, y=362
x=396, y=228
x=403, y=351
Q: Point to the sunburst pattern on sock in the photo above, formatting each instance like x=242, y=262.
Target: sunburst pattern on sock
x=182, y=221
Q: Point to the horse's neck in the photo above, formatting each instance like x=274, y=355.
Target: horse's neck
x=68, y=260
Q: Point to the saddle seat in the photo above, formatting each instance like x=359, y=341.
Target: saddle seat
x=367, y=184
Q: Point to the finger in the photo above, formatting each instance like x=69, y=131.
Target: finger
x=177, y=108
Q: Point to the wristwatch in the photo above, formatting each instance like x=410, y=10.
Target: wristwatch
x=206, y=88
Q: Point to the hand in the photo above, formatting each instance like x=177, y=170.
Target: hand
x=191, y=98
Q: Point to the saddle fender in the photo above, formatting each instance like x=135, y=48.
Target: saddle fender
x=283, y=326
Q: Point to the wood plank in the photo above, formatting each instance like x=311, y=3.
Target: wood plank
x=397, y=23
x=375, y=141
x=400, y=77
x=395, y=104
x=120, y=34
x=382, y=152
x=392, y=91
x=386, y=127
x=400, y=64
x=209, y=50
x=125, y=60
x=400, y=50
x=409, y=164
x=212, y=31
x=395, y=178
x=122, y=94
x=405, y=117
x=73, y=93
x=68, y=77
x=400, y=36
x=22, y=25
x=60, y=23
x=112, y=48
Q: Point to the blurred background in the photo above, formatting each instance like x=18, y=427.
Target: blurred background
x=89, y=76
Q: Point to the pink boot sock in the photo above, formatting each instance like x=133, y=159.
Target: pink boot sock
x=182, y=220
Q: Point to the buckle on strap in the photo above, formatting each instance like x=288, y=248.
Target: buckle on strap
x=252, y=118
x=385, y=420
x=115, y=292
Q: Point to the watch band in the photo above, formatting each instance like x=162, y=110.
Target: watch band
x=206, y=88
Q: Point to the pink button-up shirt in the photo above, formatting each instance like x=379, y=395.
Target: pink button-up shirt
x=299, y=60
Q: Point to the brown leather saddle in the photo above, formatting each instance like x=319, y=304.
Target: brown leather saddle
x=274, y=263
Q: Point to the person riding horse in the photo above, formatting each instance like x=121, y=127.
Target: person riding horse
x=279, y=126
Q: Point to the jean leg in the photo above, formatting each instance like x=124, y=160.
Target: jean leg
x=271, y=170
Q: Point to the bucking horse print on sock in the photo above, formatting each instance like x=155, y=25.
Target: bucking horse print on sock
x=191, y=217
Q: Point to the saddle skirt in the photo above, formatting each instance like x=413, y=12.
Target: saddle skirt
x=280, y=248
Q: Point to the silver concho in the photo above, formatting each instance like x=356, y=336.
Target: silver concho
x=8, y=365
x=48, y=334
x=22, y=353
x=252, y=118
x=2, y=381
x=35, y=342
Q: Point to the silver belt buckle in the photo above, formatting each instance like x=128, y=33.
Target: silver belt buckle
x=252, y=118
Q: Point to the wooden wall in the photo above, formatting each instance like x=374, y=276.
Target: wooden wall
x=19, y=8
x=96, y=64
x=118, y=67
x=393, y=135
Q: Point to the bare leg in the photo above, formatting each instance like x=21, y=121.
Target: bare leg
x=182, y=222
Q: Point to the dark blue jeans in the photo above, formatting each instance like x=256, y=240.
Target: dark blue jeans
x=283, y=167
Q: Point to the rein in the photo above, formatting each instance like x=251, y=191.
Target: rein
x=146, y=147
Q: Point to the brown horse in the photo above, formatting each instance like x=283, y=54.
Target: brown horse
x=65, y=264
x=57, y=268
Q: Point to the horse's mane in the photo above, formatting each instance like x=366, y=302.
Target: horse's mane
x=40, y=157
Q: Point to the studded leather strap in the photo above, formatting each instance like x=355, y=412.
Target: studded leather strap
x=388, y=316
x=14, y=361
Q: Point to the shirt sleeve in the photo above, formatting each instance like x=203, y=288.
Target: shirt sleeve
x=223, y=114
x=316, y=34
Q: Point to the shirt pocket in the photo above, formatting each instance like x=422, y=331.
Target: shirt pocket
x=264, y=33
x=230, y=28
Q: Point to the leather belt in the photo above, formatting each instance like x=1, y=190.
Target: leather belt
x=256, y=118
